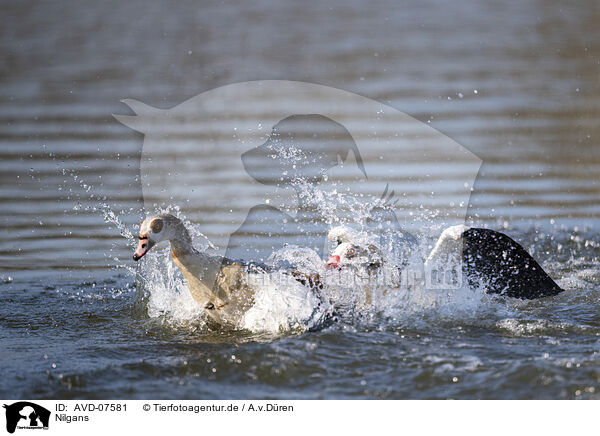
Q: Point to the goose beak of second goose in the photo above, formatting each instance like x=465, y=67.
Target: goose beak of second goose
x=333, y=262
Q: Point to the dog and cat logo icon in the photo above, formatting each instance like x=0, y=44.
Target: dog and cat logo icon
x=26, y=415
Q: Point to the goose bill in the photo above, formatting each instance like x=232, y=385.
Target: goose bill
x=143, y=246
x=333, y=262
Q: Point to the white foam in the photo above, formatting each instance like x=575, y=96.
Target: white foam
x=281, y=305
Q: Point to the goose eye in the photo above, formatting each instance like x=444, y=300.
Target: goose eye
x=339, y=241
x=156, y=225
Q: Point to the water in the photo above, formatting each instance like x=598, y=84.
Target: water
x=75, y=325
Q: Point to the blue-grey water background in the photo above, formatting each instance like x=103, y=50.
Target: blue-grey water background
x=517, y=83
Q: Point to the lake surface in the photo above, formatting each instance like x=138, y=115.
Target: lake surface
x=516, y=84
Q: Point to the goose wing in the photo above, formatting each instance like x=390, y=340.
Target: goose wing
x=504, y=266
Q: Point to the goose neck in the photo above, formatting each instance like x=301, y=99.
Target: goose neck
x=181, y=242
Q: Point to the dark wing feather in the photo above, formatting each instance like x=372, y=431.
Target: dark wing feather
x=504, y=266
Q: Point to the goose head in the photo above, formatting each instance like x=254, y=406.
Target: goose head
x=352, y=249
x=157, y=228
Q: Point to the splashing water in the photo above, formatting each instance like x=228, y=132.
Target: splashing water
x=163, y=292
x=283, y=304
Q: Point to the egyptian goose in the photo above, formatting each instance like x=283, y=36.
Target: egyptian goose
x=222, y=286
